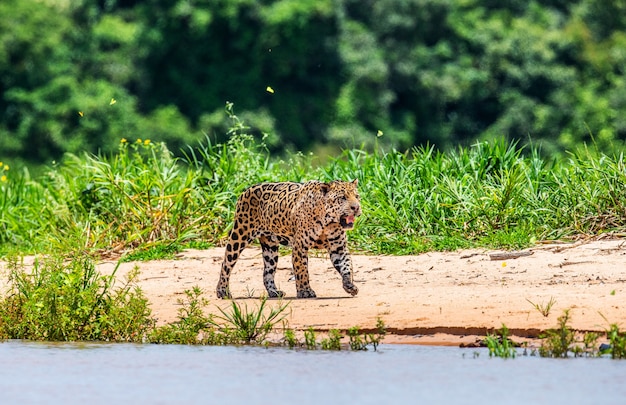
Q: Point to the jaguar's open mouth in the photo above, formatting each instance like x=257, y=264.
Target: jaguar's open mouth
x=347, y=221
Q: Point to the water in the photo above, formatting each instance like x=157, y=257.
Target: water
x=170, y=374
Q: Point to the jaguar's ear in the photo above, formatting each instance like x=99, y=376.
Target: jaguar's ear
x=355, y=182
x=325, y=187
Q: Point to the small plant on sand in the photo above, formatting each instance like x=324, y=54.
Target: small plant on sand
x=289, y=336
x=560, y=341
x=333, y=341
x=249, y=325
x=358, y=341
x=617, y=342
x=500, y=345
x=309, y=339
x=192, y=326
x=544, y=309
x=590, y=344
x=249, y=292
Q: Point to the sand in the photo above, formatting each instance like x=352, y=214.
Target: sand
x=443, y=298
x=432, y=298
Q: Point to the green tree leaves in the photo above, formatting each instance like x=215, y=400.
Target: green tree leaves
x=445, y=72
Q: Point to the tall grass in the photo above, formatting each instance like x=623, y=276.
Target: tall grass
x=25, y=218
x=491, y=194
x=139, y=196
x=424, y=199
x=494, y=194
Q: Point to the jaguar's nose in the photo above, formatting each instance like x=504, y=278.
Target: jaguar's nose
x=356, y=208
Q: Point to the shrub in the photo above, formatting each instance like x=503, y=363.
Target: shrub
x=68, y=300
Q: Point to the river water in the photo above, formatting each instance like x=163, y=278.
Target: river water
x=89, y=373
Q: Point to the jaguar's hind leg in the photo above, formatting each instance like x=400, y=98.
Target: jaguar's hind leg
x=236, y=243
x=269, y=245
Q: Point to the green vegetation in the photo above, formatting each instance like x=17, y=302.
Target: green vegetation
x=310, y=339
x=249, y=325
x=79, y=75
x=617, y=342
x=145, y=202
x=68, y=300
x=543, y=309
x=359, y=341
x=464, y=122
x=236, y=326
x=333, y=341
x=356, y=339
x=500, y=345
x=153, y=251
x=192, y=327
x=61, y=299
x=561, y=342
x=289, y=337
x=141, y=200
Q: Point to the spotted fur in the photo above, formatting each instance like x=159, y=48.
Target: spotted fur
x=303, y=215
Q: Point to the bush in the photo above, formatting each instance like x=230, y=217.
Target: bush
x=68, y=300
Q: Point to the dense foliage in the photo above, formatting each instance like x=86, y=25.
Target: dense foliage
x=67, y=300
x=79, y=75
x=142, y=197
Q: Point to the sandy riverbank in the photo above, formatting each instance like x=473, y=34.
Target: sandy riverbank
x=433, y=298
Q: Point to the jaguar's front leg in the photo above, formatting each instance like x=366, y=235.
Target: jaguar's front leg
x=340, y=258
x=343, y=264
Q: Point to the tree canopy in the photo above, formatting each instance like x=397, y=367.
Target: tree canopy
x=82, y=74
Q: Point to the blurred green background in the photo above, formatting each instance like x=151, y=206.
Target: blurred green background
x=311, y=75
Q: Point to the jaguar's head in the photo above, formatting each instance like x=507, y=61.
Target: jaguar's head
x=343, y=202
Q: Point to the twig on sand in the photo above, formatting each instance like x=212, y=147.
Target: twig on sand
x=509, y=255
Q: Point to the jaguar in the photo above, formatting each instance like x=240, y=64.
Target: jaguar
x=311, y=215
